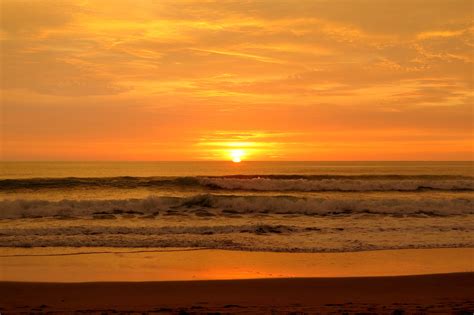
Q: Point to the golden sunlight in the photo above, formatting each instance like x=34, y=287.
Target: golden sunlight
x=237, y=155
x=261, y=130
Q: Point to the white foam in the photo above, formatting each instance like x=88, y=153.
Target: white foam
x=339, y=184
x=240, y=204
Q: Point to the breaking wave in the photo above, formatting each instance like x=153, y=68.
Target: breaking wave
x=302, y=213
x=255, y=183
x=214, y=205
x=339, y=184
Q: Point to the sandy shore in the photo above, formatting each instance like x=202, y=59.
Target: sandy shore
x=444, y=294
x=120, y=264
x=114, y=279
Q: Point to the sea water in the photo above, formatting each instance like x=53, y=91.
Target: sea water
x=258, y=206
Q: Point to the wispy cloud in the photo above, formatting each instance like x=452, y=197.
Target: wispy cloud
x=292, y=80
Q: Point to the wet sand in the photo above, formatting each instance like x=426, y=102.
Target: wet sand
x=444, y=293
x=121, y=264
x=97, y=280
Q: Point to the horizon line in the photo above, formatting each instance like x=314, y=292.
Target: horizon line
x=213, y=161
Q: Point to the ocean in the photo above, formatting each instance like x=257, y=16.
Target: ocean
x=254, y=206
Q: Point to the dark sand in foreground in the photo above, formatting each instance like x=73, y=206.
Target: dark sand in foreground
x=442, y=293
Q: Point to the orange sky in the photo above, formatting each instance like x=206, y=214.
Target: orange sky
x=277, y=79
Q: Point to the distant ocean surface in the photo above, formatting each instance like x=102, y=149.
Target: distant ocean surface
x=259, y=206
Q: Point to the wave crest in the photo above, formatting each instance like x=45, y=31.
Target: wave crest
x=228, y=204
x=337, y=184
x=254, y=183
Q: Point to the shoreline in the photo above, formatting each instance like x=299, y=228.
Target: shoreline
x=441, y=293
x=58, y=264
x=183, y=281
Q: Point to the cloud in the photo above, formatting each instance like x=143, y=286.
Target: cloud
x=29, y=16
x=51, y=73
x=183, y=69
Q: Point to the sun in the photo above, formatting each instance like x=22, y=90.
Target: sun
x=237, y=155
